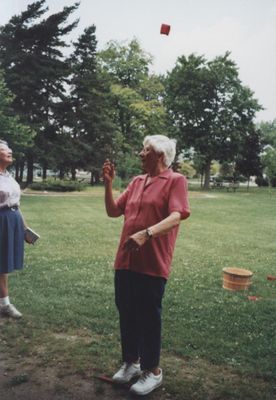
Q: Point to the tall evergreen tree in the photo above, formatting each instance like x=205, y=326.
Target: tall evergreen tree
x=19, y=136
x=92, y=129
x=35, y=71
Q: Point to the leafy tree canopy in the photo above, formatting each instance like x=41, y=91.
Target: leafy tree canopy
x=136, y=95
x=269, y=162
x=268, y=130
x=15, y=133
x=209, y=107
x=126, y=64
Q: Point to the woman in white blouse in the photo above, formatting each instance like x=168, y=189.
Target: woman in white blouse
x=12, y=228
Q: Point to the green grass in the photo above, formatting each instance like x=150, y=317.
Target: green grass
x=216, y=344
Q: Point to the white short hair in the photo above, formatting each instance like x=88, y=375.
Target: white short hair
x=3, y=143
x=162, y=144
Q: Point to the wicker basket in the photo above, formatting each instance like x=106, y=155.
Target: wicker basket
x=236, y=278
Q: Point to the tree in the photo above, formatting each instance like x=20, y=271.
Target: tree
x=269, y=162
x=35, y=71
x=268, y=131
x=209, y=109
x=137, y=100
x=19, y=136
x=187, y=169
x=128, y=65
x=248, y=161
x=90, y=111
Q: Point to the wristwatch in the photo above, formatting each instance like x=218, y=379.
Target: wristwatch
x=149, y=233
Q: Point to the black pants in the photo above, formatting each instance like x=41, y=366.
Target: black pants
x=138, y=298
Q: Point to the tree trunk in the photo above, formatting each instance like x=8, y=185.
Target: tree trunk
x=207, y=173
x=91, y=179
x=61, y=173
x=73, y=173
x=17, y=172
x=21, y=173
x=96, y=177
x=30, y=169
x=44, y=172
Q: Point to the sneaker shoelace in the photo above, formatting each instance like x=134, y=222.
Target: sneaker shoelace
x=124, y=367
x=144, y=376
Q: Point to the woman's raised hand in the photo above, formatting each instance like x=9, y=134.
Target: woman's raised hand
x=108, y=171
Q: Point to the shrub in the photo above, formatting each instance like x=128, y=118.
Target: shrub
x=187, y=169
x=58, y=185
x=232, y=178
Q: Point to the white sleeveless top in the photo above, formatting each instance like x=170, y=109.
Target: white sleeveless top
x=9, y=191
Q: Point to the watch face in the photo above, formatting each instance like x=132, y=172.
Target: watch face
x=149, y=233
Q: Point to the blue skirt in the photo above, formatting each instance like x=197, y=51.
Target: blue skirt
x=11, y=240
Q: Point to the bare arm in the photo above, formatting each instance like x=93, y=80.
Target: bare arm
x=26, y=238
x=166, y=224
x=161, y=228
x=112, y=209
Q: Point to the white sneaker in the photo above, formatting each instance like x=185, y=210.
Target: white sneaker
x=147, y=383
x=127, y=372
x=10, y=311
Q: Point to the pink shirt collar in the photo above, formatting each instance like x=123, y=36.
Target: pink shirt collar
x=164, y=175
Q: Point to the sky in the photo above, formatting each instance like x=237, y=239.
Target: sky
x=246, y=28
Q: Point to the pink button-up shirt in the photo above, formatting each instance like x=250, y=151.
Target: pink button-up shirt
x=144, y=205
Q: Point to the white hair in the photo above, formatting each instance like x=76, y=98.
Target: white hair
x=3, y=143
x=162, y=144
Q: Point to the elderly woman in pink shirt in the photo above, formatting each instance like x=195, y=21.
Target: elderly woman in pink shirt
x=153, y=206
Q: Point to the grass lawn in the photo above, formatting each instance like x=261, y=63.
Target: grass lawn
x=217, y=344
